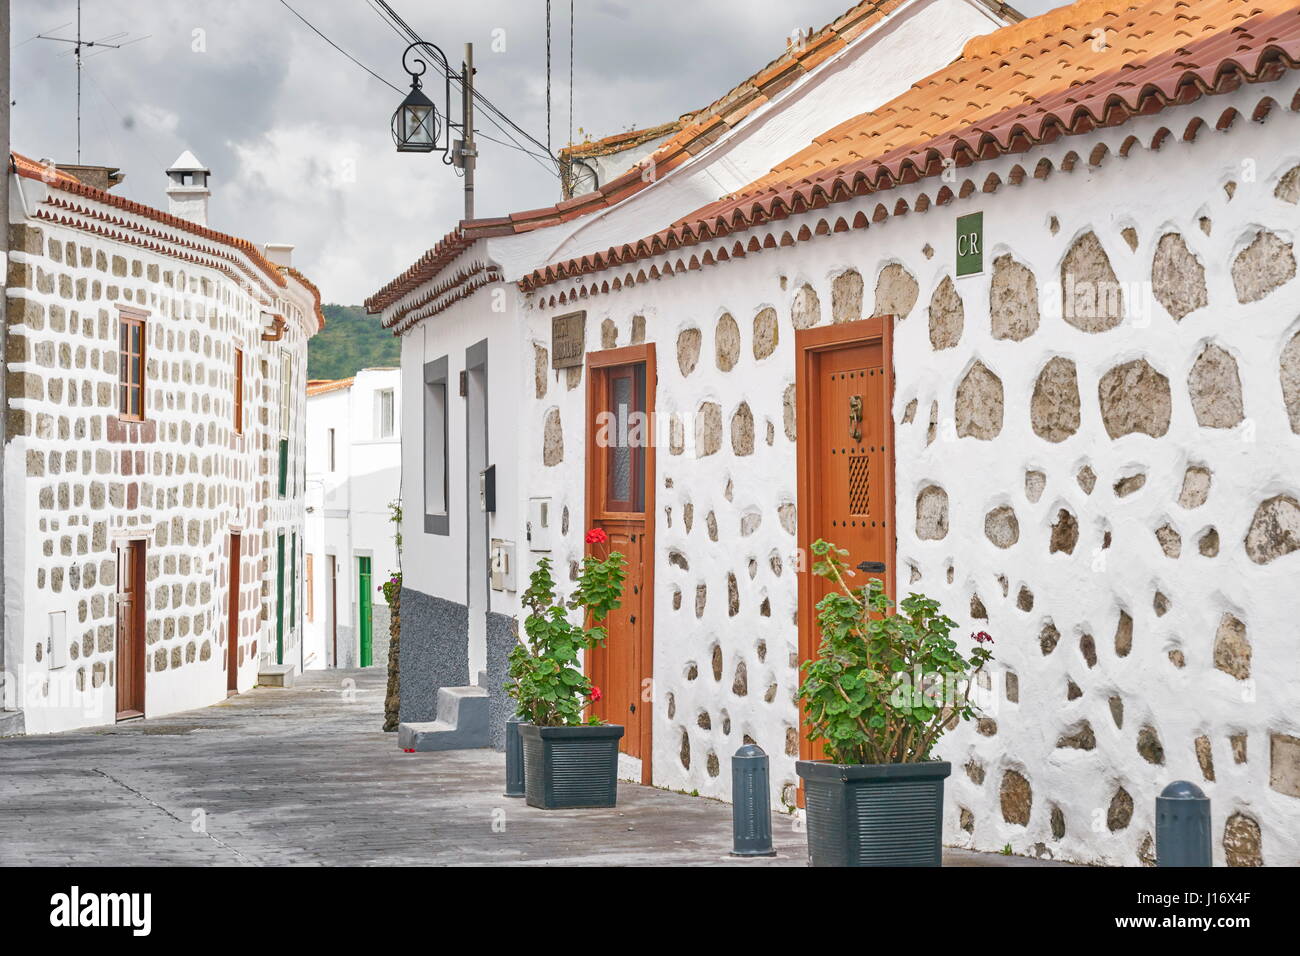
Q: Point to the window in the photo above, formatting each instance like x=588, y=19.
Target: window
x=286, y=389
x=130, y=372
x=384, y=399
x=435, y=447
x=239, y=391
x=331, y=449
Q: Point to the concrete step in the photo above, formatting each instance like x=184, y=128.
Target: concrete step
x=275, y=675
x=12, y=724
x=461, y=724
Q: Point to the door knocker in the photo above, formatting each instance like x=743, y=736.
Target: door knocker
x=855, y=417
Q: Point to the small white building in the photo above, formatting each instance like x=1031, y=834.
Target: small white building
x=354, y=473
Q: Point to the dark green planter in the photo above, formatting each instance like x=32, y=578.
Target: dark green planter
x=570, y=766
x=874, y=814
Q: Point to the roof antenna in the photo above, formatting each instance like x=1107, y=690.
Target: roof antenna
x=114, y=41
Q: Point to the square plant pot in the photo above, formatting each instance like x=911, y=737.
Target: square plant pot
x=874, y=814
x=570, y=766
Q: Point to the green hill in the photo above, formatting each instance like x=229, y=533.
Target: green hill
x=351, y=340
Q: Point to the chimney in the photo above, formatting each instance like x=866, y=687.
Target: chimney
x=279, y=253
x=187, y=189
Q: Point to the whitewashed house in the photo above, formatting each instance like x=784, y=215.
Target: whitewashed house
x=354, y=473
x=1023, y=331
x=155, y=384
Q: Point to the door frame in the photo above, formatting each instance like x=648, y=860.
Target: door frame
x=810, y=345
x=597, y=362
x=232, y=612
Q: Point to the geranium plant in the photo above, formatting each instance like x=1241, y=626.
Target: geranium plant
x=885, y=684
x=545, y=677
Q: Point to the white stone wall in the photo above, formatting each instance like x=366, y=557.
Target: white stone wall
x=78, y=483
x=1052, y=772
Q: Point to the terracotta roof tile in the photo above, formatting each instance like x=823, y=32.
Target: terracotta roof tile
x=319, y=386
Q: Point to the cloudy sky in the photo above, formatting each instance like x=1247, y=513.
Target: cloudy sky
x=297, y=136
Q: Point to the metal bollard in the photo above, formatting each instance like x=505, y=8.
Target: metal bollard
x=751, y=817
x=1183, y=826
x=514, y=758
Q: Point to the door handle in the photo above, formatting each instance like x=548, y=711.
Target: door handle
x=872, y=567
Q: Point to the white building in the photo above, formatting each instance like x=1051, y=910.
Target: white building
x=354, y=463
x=155, y=384
x=1014, y=317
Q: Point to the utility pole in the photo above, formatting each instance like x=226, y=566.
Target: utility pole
x=468, y=153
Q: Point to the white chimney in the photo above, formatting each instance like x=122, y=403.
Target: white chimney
x=187, y=189
x=279, y=253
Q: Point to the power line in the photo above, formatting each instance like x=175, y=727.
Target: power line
x=339, y=48
x=548, y=76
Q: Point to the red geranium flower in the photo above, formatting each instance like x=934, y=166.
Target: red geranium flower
x=597, y=536
x=595, y=694
x=982, y=637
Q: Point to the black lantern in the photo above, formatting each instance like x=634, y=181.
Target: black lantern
x=415, y=124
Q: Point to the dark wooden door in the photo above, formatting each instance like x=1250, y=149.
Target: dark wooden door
x=232, y=618
x=620, y=488
x=130, y=630
x=332, y=582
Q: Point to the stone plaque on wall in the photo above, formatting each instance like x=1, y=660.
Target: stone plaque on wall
x=568, y=339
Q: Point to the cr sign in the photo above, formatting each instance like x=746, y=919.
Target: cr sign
x=970, y=244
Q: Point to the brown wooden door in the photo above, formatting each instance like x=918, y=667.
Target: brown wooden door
x=846, y=461
x=130, y=630
x=333, y=582
x=620, y=499
x=232, y=618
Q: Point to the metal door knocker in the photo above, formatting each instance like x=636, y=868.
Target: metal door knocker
x=855, y=417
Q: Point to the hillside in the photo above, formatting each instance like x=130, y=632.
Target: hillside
x=351, y=340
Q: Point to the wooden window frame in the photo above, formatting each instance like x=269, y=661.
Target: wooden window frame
x=127, y=319
x=239, y=391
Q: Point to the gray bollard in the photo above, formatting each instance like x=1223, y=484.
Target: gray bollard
x=751, y=816
x=1183, y=826
x=514, y=758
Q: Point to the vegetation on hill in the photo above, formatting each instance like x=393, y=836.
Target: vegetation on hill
x=351, y=340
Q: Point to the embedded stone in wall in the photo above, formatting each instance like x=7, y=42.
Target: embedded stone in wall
x=701, y=598
x=1288, y=186
x=846, y=297
x=909, y=413
x=766, y=333
x=1242, y=842
x=717, y=662
x=1290, y=374
x=1284, y=764
x=1204, y=756
x=1130, y=236
x=708, y=429
x=711, y=526
x=1135, y=398
x=638, y=330
x=787, y=412
x=572, y=377
x=678, y=560
x=1177, y=277
x=1013, y=300
x=1232, y=648
x=1025, y=599
x=979, y=404
x=1088, y=648
x=1011, y=686
x=749, y=523
x=1001, y=526
x=742, y=430
x=932, y=513
x=684, y=752
x=1130, y=484
x=896, y=292
x=676, y=435
x=608, y=334
x=552, y=439
x=1120, y=812
x=947, y=316
x=1016, y=797
x=1116, y=705
x=1091, y=297
x=967, y=820
x=688, y=350
x=1238, y=744
x=733, y=595
x=791, y=742
x=1087, y=479
x=1209, y=543
x=1264, y=265
x=1035, y=482
x=1149, y=746
x=1048, y=638
x=1215, y=388
x=1171, y=542
x=740, y=685
x=726, y=342
x=1065, y=533
x=1196, y=487
x=1274, y=530
x=1054, y=406
x=541, y=369
x=1081, y=737
x=977, y=610
x=1160, y=604
x=975, y=770
x=806, y=310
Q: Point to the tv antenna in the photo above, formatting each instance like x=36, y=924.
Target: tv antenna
x=113, y=41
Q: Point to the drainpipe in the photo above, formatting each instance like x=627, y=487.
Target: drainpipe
x=4, y=310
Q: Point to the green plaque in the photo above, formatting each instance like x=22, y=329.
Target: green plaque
x=970, y=244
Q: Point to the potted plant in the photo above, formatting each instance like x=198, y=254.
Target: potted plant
x=883, y=688
x=569, y=760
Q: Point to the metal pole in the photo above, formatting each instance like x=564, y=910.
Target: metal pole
x=1183, y=826
x=467, y=116
x=4, y=320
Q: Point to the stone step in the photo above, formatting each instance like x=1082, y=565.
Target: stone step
x=12, y=724
x=462, y=723
x=275, y=675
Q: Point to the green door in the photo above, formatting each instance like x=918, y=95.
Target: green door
x=363, y=611
x=279, y=603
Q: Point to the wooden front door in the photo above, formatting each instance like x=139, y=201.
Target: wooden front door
x=130, y=630
x=846, y=461
x=620, y=501
x=232, y=619
x=332, y=582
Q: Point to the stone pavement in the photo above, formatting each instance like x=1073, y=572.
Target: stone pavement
x=303, y=776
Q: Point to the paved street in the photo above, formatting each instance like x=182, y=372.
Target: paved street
x=303, y=776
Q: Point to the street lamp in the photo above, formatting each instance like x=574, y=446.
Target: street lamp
x=416, y=125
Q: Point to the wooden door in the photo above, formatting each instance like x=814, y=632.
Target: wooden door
x=130, y=630
x=846, y=461
x=232, y=618
x=332, y=582
x=620, y=501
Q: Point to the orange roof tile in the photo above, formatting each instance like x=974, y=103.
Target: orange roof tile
x=319, y=386
x=1022, y=85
